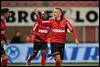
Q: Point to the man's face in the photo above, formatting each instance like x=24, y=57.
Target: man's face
x=18, y=34
x=57, y=13
x=44, y=15
x=6, y=14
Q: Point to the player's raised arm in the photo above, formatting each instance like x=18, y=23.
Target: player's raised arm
x=40, y=21
x=71, y=29
x=37, y=16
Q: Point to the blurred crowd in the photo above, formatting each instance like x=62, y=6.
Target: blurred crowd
x=17, y=38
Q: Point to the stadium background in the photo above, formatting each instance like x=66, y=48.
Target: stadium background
x=86, y=34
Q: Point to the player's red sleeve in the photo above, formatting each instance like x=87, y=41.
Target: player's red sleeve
x=75, y=36
x=33, y=31
x=35, y=27
x=71, y=28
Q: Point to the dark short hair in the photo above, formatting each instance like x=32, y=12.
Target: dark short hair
x=4, y=10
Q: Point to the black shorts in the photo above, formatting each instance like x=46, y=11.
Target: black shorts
x=40, y=46
x=2, y=50
x=58, y=48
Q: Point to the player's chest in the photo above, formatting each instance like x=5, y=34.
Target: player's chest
x=59, y=25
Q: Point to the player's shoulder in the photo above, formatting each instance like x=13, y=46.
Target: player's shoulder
x=52, y=20
x=66, y=20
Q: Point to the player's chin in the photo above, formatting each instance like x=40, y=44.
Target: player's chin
x=55, y=16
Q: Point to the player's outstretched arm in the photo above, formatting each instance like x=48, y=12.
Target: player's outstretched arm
x=75, y=36
x=37, y=16
x=71, y=29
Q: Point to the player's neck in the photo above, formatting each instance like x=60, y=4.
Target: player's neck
x=58, y=19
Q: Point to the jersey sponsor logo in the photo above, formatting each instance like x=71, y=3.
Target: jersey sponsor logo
x=43, y=31
x=58, y=30
x=63, y=26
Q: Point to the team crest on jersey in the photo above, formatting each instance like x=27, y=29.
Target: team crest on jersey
x=63, y=26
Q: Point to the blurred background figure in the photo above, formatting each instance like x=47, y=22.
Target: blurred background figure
x=16, y=38
x=28, y=40
x=4, y=15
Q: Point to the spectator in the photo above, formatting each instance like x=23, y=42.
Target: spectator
x=16, y=38
x=28, y=40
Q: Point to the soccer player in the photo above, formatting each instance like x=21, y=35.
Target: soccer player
x=4, y=15
x=58, y=29
x=39, y=36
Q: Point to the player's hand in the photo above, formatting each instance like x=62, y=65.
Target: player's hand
x=36, y=10
x=68, y=31
x=2, y=42
x=77, y=42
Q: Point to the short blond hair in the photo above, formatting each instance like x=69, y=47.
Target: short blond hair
x=59, y=9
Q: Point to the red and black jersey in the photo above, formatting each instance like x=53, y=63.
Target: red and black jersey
x=3, y=29
x=40, y=32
